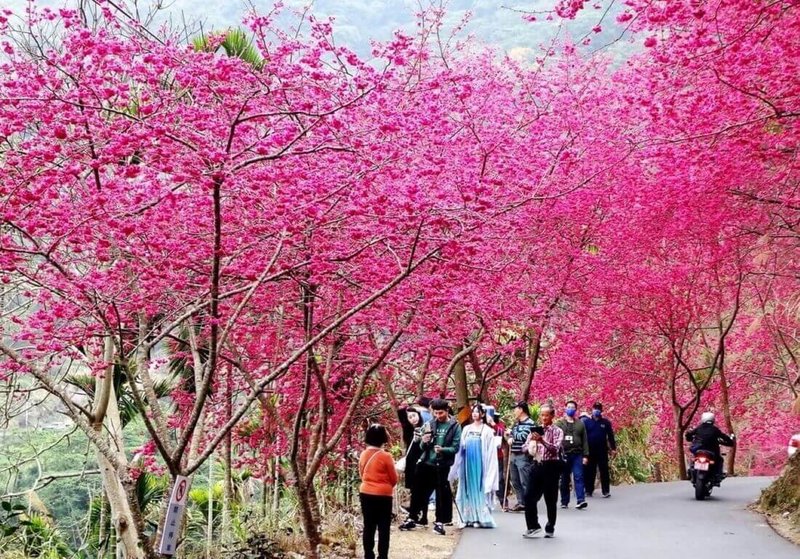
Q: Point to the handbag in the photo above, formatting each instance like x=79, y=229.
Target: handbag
x=400, y=464
x=533, y=448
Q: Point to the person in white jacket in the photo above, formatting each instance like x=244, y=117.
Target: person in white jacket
x=476, y=469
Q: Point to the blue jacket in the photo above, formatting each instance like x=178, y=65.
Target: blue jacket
x=600, y=434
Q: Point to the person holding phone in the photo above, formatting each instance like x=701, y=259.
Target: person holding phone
x=544, y=444
x=439, y=445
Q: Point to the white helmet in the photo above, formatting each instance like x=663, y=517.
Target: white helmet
x=707, y=417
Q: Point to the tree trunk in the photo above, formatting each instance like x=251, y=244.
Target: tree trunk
x=726, y=412
x=227, y=497
x=534, y=348
x=107, y=421
x=460, y=380
x=680, y=457
x=210, y=512
x=309, y=519
x=102, y=532
x=276, y=488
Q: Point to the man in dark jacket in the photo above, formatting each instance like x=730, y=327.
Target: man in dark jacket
x=439, y=445
x=600, y=435
x=708, y=437
x=576, y=449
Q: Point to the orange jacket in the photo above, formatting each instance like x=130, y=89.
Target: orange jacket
x=378, y=476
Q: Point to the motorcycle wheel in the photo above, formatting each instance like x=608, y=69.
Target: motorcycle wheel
x=699, y=492
x=700, y=487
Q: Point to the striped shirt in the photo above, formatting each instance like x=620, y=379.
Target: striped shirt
x=520, y=432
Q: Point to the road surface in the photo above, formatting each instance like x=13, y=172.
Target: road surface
x=652, y=521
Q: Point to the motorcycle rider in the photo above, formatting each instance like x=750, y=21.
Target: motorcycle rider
x=707, y=436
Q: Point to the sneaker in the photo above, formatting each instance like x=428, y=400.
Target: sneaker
x=409, y=524
x=589, y=494
x=518, y=508
x=438, y=527
x=564, y=506
x=549, y=535
x=445, y=523
x=606, y=495
x=531, y=533
x=582, y=505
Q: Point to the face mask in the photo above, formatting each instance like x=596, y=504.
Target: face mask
x=597, y=413
x=571, y=412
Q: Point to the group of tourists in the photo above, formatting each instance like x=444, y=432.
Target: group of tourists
x=488, y=461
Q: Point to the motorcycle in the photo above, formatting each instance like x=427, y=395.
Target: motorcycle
x=703, y=474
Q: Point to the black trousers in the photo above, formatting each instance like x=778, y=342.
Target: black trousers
x=432, y=479
x=377, y=512
x=597, y=460
x=501, y=486
x=543, y=482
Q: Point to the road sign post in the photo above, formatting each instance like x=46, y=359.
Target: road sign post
x=172, y=524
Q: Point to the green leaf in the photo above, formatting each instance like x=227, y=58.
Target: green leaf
x=9, y=530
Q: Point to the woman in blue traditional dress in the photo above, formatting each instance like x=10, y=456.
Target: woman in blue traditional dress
x=476, y=470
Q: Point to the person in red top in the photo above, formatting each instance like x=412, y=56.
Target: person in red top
x=378, y=478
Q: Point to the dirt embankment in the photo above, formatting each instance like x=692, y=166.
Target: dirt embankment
x=780, y=502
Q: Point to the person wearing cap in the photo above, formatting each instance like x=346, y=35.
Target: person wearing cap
x=520, y=462
x=600, y=435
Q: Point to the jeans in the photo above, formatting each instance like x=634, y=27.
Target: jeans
x=430, y=479
x=377, y=512
x=574, y=468
x=597, y=460
x=520, y=464
x=543, y=482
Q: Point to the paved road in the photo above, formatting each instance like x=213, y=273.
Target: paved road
x=652, y=521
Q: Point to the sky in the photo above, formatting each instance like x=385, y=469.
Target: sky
x=497, y=23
